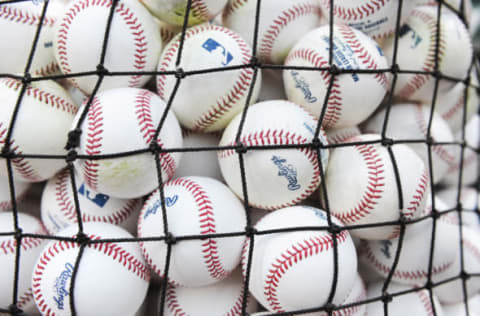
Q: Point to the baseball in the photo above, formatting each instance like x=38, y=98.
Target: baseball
x=280, y=24
x=207, y=102
x=21, y=189
x=469, y=199
x=285, y=274
x=194, y=206
x=459, y=308
x=174, y=11
x=352, y=50
x=416, y=51
x=362, y=188
x=341, y=135
x=134, y=43
x=470, y=156
x=58, y=206
x=378, y=19
x=200, y=162
x=275, y=178
x=114, y=272
x=410, y=121
x=29, y=251
x=167, y=31
x=452, y=292
x=139, y=112
x=418, y=302
x=43, y=100
x=227, y=295
x=19, y=22
x=414, y=258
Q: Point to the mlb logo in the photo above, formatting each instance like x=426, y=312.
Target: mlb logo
x=97, y=198
x=214, y=47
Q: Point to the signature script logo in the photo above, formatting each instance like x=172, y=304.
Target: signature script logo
x=287, y=171
x=60, y=286
x=169, y=201
x=301, y=84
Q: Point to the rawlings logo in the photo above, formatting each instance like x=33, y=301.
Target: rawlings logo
x=48, y=44
x=343, y=56
x=99, y=198
x=309, y=128
x=317, y=212
x=60, y=286
x=212, y=46
x=415, y=37
x=287, y=171
x=169, y=201
x=369, y=26
x=386, y=244
x=301, y=84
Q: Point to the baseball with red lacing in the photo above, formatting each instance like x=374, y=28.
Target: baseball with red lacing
x=58, y=206
x=119, y=121
x=134, y=43
x=294, y=270
x=281, y=22
x=29, y=250
x=112, y=277
x=352, y=50
x=194, y=206
x=362, y=187
x=276, y=177
x=45, y=100
x=376, y=18
x=174, y=11
x=200, y=103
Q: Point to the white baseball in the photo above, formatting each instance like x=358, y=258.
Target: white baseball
x=29, y=251
x=272, y=85
x=21, y=189
x=467, y=9
x=209, y=101
x=114, y=271
x=341, y=135
x=195, y=206
x=174, y=11
x=134, y=33
x=58, y=206
x=410, y=121
x=227, y=295
x=416, y=51
x=122, y=120
x=279, y=177
x=167, y=31
x=46, y=101
x=470, y=158
x=469, y=198
x=202, y=162
x=362, y=189
x=285, y=274
x=19, y=22
x=77, y=95
x=452, y=292
x=414, y=258
x=376, y=18
x=352, y=50
x=418, y=303
x=458, y=309
x=281, y=22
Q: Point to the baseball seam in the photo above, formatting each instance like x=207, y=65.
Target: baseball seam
x=93, y=143
x=112, y=250
x=200, y=10
x=280, y=137
x=425, y=299
x=18, y=15
x=25, y=298
x=342, y=137
x=297, y=252
x=238, y=90
x=472, y=248
x=362, y=11
x=148, y=129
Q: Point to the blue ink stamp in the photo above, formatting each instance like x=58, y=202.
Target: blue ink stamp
x=301, y=84
x=417, y=39
x=169, y=201
x=214, y=47
x=287, y=171
x=386, y=244
x=60, y=286
x=99, y=199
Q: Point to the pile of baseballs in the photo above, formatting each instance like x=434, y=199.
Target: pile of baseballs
x=308, y=181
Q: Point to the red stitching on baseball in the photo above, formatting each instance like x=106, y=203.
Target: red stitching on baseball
x=454, y=110
x=93, y=142
x=280, y=137
x=342, y=137
x=402, y=274
x=362, y=11
x=9, y=246
x=200, y=10
x=132, y=23
x=25, y=298
x=224, y=104
x=297, y=252
x=417, y=81
x=472, y=248
x=18, y=15
x=148, y=130
x=232, y=6
x=427, y=305
x=280, y=23
x=115, y=251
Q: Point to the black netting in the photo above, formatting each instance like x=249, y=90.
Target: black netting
x=164, y=235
